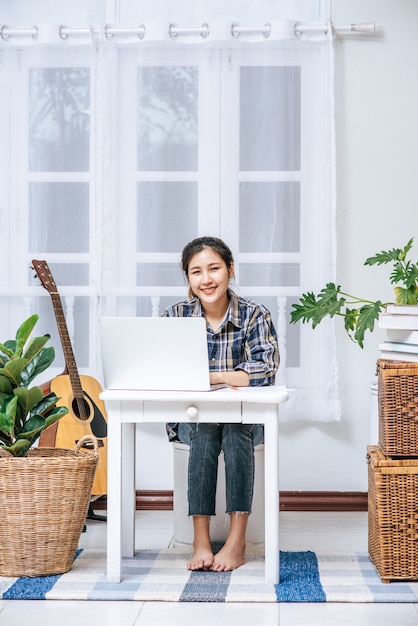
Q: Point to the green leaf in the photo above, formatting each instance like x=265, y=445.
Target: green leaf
x=407, y=248
x=47, y=403
x=19, y=448
x=5, y=385
x=23, y=332
x=367, y=317
x=35, y=345
x=411, y=274
x=350, y=319
x=384, y=257
x=314, y=309
x=13, y=369
x=28, y=398
x=407, y=274
x=406, y=296
x=305, y=310
x=34, y=424
x=50, y=418
x=8, y=411
x=39, y=362
x=55, y=414
x=8, y=351
x=397, y=274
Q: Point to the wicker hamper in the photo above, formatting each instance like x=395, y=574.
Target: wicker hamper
x=44, y=498
x=398, y=407
x=393, y=515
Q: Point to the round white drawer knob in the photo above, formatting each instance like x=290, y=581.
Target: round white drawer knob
x=192, y=412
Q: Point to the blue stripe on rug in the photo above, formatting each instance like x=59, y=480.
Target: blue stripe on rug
x=299, y=578
x=32, y=588
x=206, y=586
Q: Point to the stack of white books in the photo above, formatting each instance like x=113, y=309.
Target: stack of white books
x=401, y=324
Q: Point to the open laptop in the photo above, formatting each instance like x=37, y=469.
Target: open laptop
x=155, y=353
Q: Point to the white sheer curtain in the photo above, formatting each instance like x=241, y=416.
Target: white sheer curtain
x=126, y=144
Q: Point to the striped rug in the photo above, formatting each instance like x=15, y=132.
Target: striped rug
x=162, y=576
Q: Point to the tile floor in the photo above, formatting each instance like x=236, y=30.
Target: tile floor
x=299, y=531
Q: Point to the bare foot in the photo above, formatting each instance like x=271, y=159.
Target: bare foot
x=202, y=559
x=202, y=556
x=229, y=557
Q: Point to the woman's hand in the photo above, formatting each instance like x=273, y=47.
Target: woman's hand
x=237, y=378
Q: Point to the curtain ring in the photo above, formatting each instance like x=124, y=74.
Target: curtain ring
x=174, y=30
x=3, y=33
x=296, y=31
x=237, y=30
x=18, y=31
x=110, y=31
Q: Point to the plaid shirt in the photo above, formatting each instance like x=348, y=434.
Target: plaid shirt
x=246, y=340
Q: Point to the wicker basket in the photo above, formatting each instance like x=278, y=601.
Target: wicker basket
x=393, y=515
x=398, y=407
x=44, y=498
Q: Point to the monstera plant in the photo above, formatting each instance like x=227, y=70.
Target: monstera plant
x=360, y=314
x=25, y=411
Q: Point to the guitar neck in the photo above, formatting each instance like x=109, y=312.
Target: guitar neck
x=66, y=346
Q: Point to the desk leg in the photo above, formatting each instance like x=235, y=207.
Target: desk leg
x=271, y=480
x=114, y=496
x=128, y=489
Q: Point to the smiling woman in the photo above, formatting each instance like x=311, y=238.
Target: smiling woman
x=242, y=351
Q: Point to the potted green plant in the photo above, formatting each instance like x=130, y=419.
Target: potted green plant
x=24, y=411
x=360, y=314
x=44, y=492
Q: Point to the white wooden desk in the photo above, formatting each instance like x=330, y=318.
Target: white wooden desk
x=125, y=408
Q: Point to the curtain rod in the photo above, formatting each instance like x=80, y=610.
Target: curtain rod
x=175, y=30
x=362, y=28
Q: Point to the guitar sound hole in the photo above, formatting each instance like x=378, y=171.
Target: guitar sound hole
x=81, y=408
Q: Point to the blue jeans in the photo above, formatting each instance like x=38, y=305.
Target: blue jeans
x=206, y=442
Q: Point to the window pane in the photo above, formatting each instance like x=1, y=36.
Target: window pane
x=59, y=217
x=292, y=337
x=59, y=119
x=145, y=308
x=159, y=274
x=269, y=219
x=168, y=118
x=167, y=216
x=270, y=118
x=269, y=274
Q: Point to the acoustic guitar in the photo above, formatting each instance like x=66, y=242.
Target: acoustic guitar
x=80, y=394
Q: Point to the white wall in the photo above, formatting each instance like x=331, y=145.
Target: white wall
x=377, y=174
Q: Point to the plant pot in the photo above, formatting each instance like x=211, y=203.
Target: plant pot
x=44, y=499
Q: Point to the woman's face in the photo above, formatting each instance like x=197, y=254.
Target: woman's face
x=208, y=277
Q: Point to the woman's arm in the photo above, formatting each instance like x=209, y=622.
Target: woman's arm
x=237, y=378
x=261, y=349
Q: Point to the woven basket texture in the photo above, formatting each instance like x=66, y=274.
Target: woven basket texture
x=398, y=407
x=44, y=499
x=393, y=515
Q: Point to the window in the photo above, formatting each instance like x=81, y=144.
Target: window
x=218, y=150
x=122, y=155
